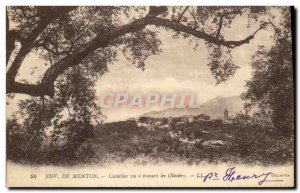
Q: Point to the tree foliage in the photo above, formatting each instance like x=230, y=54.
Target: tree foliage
x=70, y=36
x=271, y=88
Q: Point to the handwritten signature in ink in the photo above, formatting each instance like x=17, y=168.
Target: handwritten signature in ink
x=232, y=175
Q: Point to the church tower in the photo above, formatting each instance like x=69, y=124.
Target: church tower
x=226, y=114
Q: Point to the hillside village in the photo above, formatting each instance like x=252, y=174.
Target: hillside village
x=188, y=129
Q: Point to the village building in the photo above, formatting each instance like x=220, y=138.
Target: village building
x=174, y=123
x=218, y=121
x=226, y=118
x=178, y=124
x=188, y=118
x=202, y=117
x=157, y=123
x=225, y=114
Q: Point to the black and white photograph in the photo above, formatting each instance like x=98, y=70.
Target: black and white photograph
x=150, y=96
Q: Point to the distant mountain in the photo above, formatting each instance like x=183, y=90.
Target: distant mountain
x=214, y=108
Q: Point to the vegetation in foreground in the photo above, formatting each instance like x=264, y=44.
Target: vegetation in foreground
x=124, y=141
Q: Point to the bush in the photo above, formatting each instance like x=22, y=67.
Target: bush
x=256, y=143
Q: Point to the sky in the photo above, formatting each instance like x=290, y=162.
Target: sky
x=179, y=68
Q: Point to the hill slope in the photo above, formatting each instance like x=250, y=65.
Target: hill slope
x=214, y=108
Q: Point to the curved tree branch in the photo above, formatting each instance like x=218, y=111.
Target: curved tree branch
x=46, y=87
x=183, y=12
x=221, y=20
x=202, y=35
x=220, y=26
x=28, y=42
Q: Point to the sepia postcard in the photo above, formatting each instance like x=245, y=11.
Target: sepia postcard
x=150, y=96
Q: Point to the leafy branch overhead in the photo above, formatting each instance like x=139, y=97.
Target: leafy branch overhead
x=92, y=36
